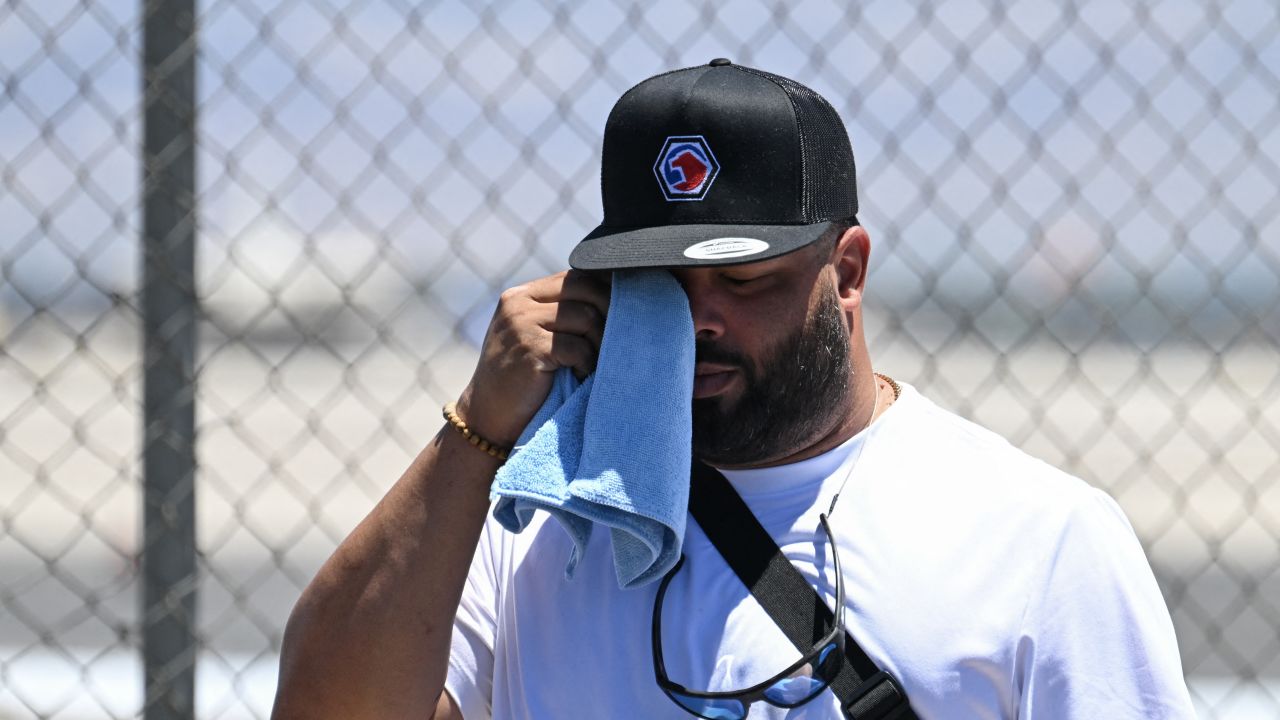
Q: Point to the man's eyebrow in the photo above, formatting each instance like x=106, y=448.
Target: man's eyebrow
x=751, y=269
x=773, y=264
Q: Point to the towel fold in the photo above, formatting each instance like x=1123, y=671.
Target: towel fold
x=615, y=449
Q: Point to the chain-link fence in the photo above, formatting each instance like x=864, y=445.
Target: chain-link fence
x=1076, y=242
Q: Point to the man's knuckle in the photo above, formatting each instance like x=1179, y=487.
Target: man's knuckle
x=512, y=295
x=592, y=314
x=570, y=349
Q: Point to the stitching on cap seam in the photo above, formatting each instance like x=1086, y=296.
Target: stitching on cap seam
x=804, y=196
x=684, y=103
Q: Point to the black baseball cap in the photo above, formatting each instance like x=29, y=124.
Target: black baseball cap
x=715, y=165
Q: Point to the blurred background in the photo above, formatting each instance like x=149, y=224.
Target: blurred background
x=1076, y=237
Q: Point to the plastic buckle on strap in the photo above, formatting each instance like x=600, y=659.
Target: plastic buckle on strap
x=877, y=698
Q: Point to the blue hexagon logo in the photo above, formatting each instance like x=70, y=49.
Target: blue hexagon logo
x=686, y=167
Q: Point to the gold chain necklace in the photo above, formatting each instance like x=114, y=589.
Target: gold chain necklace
x=897, y=389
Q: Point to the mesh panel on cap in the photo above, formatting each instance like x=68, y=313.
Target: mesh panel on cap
x=830, y=191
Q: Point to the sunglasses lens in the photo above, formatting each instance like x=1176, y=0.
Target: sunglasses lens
x=829, y=661
x=807, y=681
x=711, y=708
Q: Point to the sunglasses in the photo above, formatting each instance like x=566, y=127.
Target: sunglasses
x=804, y=680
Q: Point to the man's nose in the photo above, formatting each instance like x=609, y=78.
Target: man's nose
x=705, y=303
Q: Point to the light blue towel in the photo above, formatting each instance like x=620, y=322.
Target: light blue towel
x=615, y=449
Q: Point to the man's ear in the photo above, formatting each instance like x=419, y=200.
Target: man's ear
x=849, y=258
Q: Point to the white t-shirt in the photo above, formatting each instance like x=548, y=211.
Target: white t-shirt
x=990, y=584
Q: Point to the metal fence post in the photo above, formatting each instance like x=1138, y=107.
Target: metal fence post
x=169, y=322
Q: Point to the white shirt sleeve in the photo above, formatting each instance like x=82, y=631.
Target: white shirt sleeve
x=470, y=677
x=1097, y=640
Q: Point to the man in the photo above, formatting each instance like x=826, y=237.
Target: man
x=987, y=583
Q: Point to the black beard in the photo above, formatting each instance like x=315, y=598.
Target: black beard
x=797, y=393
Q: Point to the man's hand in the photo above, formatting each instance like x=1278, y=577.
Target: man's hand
x=539, y=327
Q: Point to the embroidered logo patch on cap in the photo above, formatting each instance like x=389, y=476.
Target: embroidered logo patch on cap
x=685, y=168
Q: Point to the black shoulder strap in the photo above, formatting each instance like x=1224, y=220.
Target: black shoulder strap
x=866, y=692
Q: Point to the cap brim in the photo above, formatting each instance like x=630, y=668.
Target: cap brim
x=670, y=246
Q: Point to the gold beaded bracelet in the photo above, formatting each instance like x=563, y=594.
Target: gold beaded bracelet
x=451, y=414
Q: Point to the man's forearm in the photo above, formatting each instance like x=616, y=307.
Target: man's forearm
x=369, y=638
